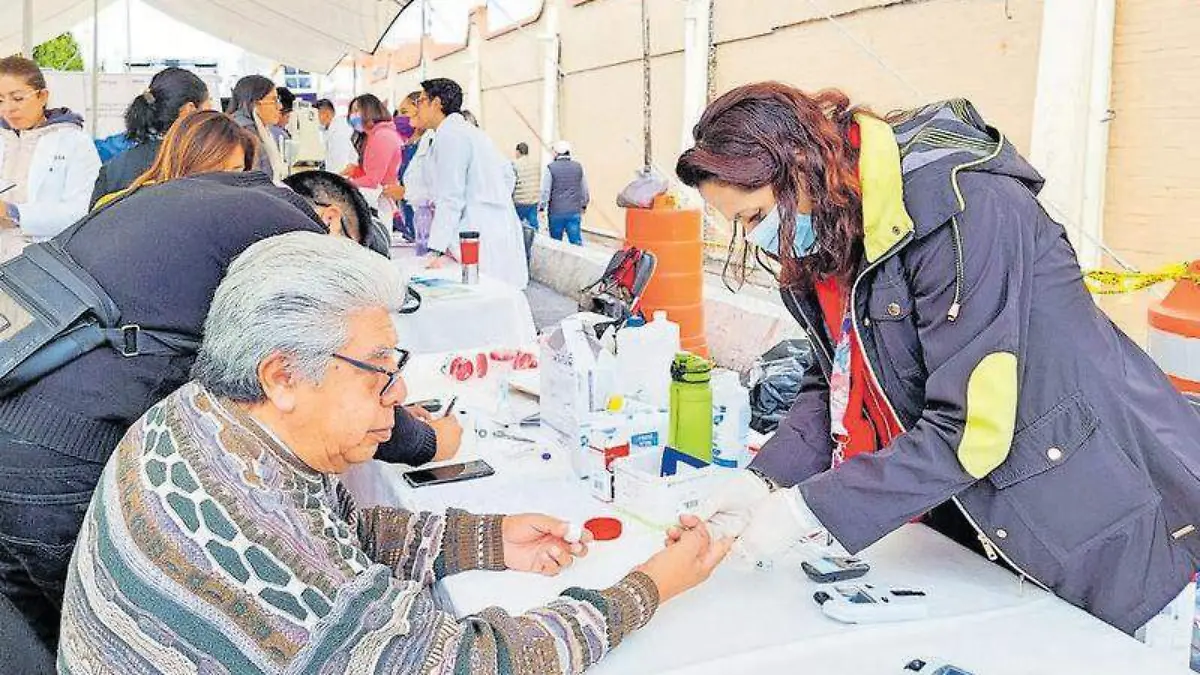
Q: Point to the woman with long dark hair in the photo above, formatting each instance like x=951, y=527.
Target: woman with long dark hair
x=173, y=93
x=380, y=152
x=205, y=142
x=963, y=372
x=256, y=107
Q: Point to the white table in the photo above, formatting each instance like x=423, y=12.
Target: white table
x=489, y=313
x=751, y=621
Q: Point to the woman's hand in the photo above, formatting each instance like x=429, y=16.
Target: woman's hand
x=449, y=437
x=687, y=560
x=728, y=510
x=438, y=261
x=536, y=543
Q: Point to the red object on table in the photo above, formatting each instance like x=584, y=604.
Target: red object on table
x=468, y=244
x=603, y=529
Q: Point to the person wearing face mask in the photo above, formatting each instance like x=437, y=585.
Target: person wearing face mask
x=963, y=373
x=339, y=141
x=380, y=151
x=48, y=163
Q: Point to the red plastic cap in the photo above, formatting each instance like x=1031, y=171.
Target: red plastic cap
x=603, y=529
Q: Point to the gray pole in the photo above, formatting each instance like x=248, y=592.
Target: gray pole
x=95, y=65
x=647, y=161
x=27, y=29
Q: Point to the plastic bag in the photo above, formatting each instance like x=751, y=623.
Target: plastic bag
x=642, y=191
x=775, y=382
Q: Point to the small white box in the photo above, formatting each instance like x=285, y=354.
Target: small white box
x=640, y=490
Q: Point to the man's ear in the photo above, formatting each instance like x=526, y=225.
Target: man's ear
x=332, y=216
x=278, y=382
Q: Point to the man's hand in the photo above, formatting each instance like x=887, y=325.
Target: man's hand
x=536, y=543
x=687, y=561
x=449, y=437
x=419, y=412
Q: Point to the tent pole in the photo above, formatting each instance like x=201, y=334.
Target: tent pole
x=95, y=66
x=27, y=29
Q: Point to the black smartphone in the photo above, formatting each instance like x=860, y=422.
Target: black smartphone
x=449, y=473
x=830, y=569
x=431, y=405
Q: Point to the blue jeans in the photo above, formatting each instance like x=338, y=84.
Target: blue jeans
x=528, y=215
x=43, y=498
x=568, y=223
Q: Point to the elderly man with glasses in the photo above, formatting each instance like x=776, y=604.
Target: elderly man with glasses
x=220, y=540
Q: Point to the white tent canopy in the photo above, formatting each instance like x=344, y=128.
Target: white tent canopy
x=309, y=34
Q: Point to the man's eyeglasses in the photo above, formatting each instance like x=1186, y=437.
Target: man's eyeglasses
x=392, y=375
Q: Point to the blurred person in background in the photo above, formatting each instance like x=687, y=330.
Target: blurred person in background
x=565, y=195
x=472, y=188
x=173, y=93
x=380, y=151
x=203, y=142
x=48, y=163
x=256, y=107
x=339, y=138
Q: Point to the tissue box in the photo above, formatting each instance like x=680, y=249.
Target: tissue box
x=640, y=489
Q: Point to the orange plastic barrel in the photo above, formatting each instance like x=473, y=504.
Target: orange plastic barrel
x=675, y=237
x=1174, y=334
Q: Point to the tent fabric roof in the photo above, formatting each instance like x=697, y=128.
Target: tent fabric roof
x=310, y=34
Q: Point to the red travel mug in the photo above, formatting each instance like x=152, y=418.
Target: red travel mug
x=468, y=247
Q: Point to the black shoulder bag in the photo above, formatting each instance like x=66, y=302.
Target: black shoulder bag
x=52, y=312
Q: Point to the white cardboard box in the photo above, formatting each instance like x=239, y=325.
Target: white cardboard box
x=640, y=491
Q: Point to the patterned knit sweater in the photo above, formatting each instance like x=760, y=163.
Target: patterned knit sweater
x=210, y=548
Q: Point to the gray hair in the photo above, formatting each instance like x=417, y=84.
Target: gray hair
x=291, y=294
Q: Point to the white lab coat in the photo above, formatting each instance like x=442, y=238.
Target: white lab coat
x=62, y=174
x=339, y=145
x=472, y=186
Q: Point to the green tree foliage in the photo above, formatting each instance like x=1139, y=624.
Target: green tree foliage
x=60, y=53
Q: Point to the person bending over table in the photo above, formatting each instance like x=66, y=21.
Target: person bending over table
x=220, y=539
x=962, y=368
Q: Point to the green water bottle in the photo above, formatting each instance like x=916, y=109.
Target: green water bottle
x=691, y=406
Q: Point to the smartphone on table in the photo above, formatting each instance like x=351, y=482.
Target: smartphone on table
x=448, y=473
x=830, y=569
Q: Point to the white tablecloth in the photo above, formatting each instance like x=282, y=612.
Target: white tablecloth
x=489, y=313
x=751, y=621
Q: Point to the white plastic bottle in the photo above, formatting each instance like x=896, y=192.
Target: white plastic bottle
x=644, y=354
x=731, y=421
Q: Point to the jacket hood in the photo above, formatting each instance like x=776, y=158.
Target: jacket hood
x=54, y=116
x=939, y=141
x=909, y=167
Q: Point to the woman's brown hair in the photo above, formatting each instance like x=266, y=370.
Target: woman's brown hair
x=19, y=66
x=773, y=134
x=198, y=143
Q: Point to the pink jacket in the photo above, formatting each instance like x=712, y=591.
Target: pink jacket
x=381, y=158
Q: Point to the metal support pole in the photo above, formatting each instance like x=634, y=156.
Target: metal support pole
x=27, y=29
x=95, y=116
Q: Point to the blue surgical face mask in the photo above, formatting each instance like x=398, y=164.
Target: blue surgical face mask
x=356, y=123
x=765, y=235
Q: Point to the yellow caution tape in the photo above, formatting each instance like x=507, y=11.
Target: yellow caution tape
x=1111, y=282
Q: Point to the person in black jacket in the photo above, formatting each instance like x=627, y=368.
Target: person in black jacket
x=159, y=253
x=173, y=93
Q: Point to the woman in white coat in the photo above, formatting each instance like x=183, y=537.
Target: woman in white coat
x=472, y=187
x=48, y=164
